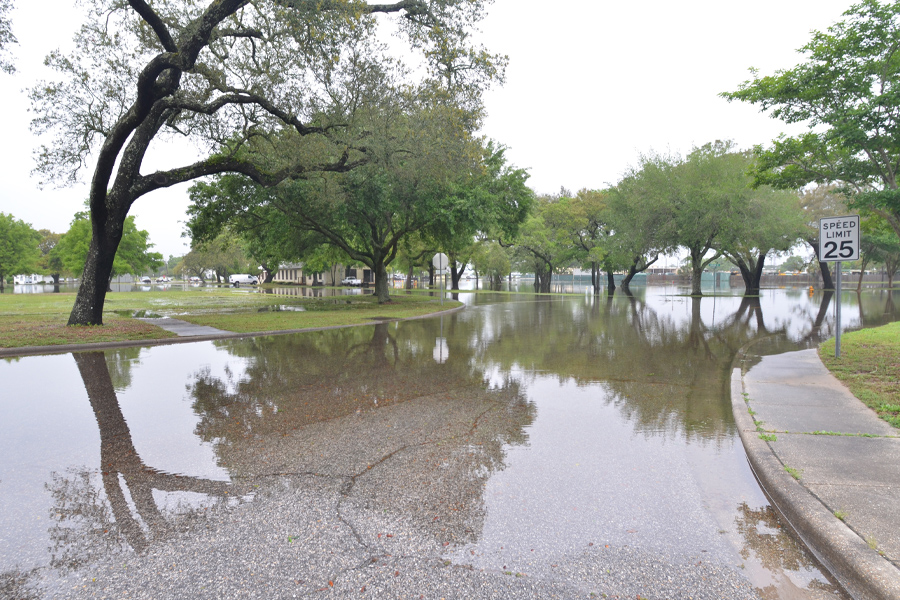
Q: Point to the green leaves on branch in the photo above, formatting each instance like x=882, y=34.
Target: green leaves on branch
x=847, y=91
x=19, y=252
x=133, y=257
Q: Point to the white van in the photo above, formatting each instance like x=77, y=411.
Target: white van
x=240, y=278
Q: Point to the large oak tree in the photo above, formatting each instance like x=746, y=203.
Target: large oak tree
x=220, y=74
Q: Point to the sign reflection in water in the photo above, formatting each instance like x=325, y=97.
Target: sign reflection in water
x=610, y=415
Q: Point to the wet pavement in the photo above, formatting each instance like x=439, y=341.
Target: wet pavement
x=831, y=466
x=182, y=328
x=553, y=448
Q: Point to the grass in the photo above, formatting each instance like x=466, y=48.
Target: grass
x=795, y=473
x=870, y=367
x=51, y=330
x=768, y=437
x=40, y=319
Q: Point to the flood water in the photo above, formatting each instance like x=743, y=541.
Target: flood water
x=579, y=443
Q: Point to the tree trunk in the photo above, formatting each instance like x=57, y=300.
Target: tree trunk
x=632, y=271
x=827, y=282
x=862, y=273
x=751, y=274
x=696, y=275
x=88, y=308
x=382, y=290
x=455, y=274
x=409, y=277
x=610, y=281
x=595, y=277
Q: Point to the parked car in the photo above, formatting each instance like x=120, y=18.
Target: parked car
x=146, y=280
x=240, y=278
x=195, y=280
x=350, y=281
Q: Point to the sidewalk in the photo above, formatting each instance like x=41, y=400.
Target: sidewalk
x=183, y=328
x=844, y=459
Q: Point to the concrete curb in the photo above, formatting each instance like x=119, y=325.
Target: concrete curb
x=66, y=348
x=862, y=572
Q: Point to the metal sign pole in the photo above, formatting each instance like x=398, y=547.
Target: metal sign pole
x=837, y=289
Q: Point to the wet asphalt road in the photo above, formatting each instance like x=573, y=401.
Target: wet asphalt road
x=371, y=515
x=352, y=464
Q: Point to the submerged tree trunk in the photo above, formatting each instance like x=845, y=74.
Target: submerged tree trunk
x=595, y=276
x=455, y=273
x=827, y=282
x=409, y=277
x=610, y=281
x=751, y=274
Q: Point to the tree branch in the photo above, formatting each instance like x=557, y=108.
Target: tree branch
x=152, y=19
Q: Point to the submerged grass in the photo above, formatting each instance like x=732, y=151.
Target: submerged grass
x=40, y=319
x=870, y=367
x=324, y=314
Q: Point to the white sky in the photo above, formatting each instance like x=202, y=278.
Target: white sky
x=590, y=86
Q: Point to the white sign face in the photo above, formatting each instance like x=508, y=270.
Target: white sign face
x=439, y=261
x=839, y=238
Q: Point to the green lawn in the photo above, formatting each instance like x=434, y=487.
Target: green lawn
x=40, y=319
x=870, y=367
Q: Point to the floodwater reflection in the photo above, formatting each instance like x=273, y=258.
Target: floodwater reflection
x=549, y=425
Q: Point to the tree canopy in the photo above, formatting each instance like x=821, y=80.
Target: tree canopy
x=19, y=250
x=6, y=37
x=134, y=255
x=221, y=74
x=847, y=91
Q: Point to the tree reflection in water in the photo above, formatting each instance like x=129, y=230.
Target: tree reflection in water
x=407, y=435
x=766, y=541
x=97, y=518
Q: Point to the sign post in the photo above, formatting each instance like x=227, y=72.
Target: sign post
x=440, y=262
x=838, y=241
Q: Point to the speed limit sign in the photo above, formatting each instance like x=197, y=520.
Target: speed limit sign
x=839, y=238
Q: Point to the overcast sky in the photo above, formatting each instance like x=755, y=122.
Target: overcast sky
x=591, y=85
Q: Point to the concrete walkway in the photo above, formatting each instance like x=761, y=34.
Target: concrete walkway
x=795, y=417
x=183, y=328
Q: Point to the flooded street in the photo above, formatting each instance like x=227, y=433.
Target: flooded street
x=524, y=447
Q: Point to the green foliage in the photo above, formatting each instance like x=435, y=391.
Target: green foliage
x=491, y=261
x=544, y=244
x=227, y=75
x=793, y=263
x=6, y=37
x=224, y=255
x=424, y=175
x=133, y=256
x=847, y=91
x=19, y=251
